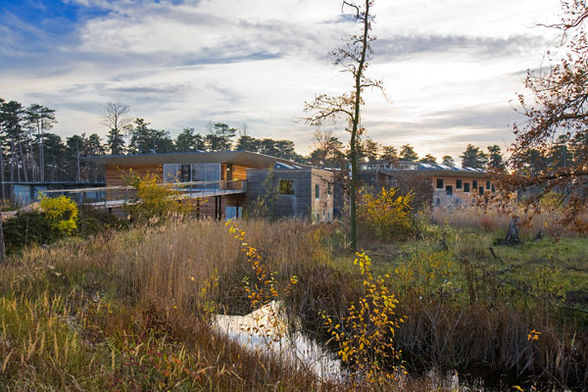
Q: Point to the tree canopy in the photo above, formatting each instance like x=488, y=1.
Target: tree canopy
x=474, y=157
x=556, y=126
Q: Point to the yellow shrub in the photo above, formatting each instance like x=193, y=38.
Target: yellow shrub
x=156, y=199
x=366, y=335
x=62, y=213
x=385, y=214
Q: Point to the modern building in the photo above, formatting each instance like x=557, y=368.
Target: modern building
x=303, y=193
x=434, y=184
x=223, y=183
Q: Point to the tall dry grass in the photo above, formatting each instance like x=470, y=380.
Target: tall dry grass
x=133, y=303
x=171, y=264
x=547, y=222
x=136, y=297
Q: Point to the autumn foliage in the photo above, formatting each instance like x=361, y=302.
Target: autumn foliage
x=365, y=336
x=386, y=214
x=557, y=118
x=61, y=212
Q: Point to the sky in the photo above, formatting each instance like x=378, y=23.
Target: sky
x=451, y=68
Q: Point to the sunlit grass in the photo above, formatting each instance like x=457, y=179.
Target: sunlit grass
x=129, y=310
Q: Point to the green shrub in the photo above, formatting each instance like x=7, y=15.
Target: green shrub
x=57, y=219
x=93, y=221
x=27, y=228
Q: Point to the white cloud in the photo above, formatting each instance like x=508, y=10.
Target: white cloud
x=177, y=65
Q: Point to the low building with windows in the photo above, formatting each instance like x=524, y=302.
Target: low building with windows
x=301, y=193
x=222, y=183
x=433, y=184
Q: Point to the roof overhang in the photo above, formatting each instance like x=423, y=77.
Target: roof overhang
x=242, y=158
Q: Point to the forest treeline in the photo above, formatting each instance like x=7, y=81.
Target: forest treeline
x=32, y=151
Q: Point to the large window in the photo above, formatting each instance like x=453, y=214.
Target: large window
x=457, y=184
x=173, y=172
x=439, y=183
x=286, y=187
x=204, y=175
x=466, y=187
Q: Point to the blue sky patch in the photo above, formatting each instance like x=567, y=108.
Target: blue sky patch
x=51, y=16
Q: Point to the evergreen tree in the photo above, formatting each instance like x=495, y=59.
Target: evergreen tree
x=408, y=154
x=473, y=157
x=495, y=160
x=12, y=115
x=55, y=157
x=428, y=159
x=248, y=143
x=370, y=150
x=189, y=140
x=39, y=119
x=94, y=146
x=145, y=140
x=220, y=137
x=447, y=160
x=389, y=154
x=560, y=154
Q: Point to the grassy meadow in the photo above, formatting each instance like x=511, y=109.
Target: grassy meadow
x=130, y=309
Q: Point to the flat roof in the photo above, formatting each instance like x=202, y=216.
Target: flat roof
x=243, y=158
x=437, y=172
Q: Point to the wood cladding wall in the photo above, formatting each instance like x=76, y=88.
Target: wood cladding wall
x=114, y=173
x=239, y=172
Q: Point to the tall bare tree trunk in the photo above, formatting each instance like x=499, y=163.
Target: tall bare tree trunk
x=79, y=174
x=353, y=57
x=2, y=175
x=2, y=248
x=24, y=162
x=41, y=160
x=16, y=163
x=356, y=120
x=32, y=159
x=11, y=162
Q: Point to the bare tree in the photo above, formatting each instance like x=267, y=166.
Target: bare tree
x=556, y=114
x=116, y=119
x=353, y=58
x=325, y=141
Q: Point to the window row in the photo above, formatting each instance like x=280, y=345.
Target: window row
x=204, y=175
x=459, y=184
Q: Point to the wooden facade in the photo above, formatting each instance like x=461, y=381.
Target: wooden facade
x=115, y=174
x=228, y=191
x=301, y=193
